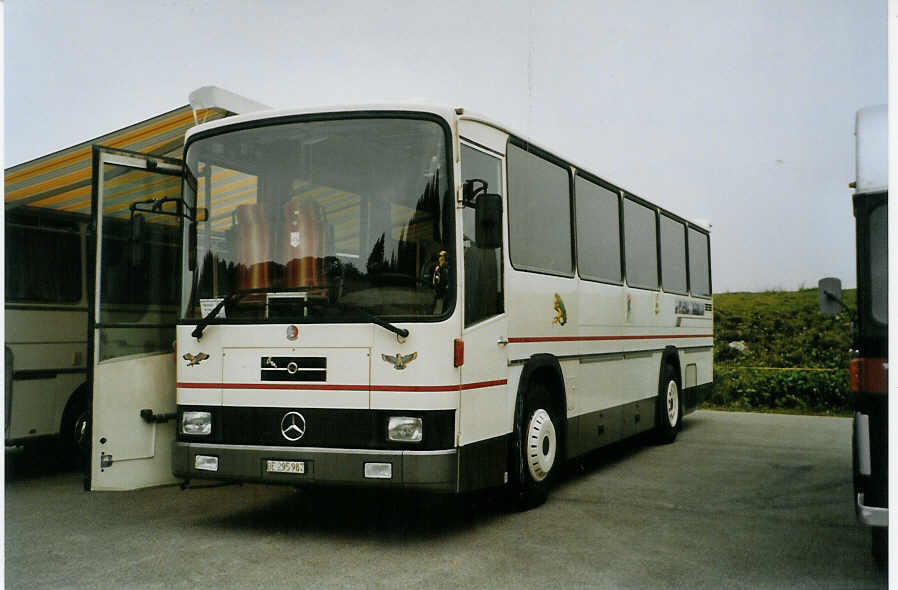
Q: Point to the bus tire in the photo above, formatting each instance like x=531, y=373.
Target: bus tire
x=537, y=448
x=669, y=408
x=75, y=429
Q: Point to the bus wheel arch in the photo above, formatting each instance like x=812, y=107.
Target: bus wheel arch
x=670, y=402
x=539, y=418
x=75, y=426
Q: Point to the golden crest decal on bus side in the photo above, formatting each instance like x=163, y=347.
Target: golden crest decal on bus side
x=560, y=318
x=399, y=361
x=193, y=360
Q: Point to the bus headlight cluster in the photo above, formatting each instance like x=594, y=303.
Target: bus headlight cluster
x=196, y=423
x=405, y=429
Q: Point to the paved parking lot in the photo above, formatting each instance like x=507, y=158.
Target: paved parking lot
x=739, y=501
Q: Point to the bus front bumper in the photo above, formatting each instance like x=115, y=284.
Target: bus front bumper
x=424, y=470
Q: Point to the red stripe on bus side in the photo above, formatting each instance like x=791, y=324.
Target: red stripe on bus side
x=594, y=338
x=325, y=387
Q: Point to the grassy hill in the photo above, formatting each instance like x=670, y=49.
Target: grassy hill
x=775, y=351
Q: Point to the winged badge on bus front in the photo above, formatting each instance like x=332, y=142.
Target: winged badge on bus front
x=399, y=361
x=193, y=360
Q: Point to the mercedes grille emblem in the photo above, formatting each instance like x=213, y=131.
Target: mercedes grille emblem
x=293, y=426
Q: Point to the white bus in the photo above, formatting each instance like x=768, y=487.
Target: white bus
x=869, y=367
x=420, y=298
x=46, y=392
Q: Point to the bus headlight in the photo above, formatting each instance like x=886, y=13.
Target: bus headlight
x=405, y=429
x=196, y=423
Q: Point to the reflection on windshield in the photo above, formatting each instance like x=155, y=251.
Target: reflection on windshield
x=304, y=216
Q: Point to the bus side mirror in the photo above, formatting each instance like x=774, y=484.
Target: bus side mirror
x=829, y=296
x=488, y=221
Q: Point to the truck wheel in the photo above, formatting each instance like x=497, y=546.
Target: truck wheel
x=536, y=449
x=669, y=408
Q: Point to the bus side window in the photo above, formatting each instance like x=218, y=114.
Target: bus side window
x=539, y=213
x=640, y=245
x=47, y=266
x=673, y=255
x=598, y=232
x=483, y=266
x=699, y=264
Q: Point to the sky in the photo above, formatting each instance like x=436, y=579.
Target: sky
x=737, y=112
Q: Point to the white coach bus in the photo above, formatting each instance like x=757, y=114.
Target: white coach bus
x=46, y=392
x=420, y=298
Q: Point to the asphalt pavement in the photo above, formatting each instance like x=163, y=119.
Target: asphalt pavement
x=738, y=501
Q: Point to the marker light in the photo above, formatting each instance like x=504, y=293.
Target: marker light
x=205, y=463
x=459, y=349
x=196, y=423
x=405, y=429
x=869, y=375
x=379, y=470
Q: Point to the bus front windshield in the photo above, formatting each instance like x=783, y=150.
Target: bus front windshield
x=321, y=221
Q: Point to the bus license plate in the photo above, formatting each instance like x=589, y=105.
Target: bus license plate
x=286, y=466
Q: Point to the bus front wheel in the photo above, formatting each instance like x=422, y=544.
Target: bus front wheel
x=537, y=449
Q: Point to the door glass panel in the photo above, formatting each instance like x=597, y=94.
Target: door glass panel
x=483, y=266
x=140, y=264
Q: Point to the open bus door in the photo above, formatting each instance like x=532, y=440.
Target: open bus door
x=137, y=218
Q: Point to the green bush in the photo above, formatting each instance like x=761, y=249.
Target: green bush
x=781, y=330
x=804, y=391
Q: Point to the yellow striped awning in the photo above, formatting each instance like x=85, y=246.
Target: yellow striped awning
x=61, y=181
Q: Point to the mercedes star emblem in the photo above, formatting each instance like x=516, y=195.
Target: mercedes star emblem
x=293, y=426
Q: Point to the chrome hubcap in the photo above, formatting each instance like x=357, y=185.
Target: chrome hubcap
x=541, y=445
x=673, y=403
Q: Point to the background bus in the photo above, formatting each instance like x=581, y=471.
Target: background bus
x=46, y=328
x=869, y=365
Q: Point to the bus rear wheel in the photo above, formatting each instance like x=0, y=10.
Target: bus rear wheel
x=669, y=407
x=537, y=449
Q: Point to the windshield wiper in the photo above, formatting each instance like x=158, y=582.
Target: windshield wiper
x=237, y=295
x=401, y=332
x=232, y=298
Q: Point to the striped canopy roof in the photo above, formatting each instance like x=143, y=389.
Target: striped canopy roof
x=61, y=181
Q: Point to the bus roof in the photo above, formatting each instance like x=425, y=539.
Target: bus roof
x=447, y=113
